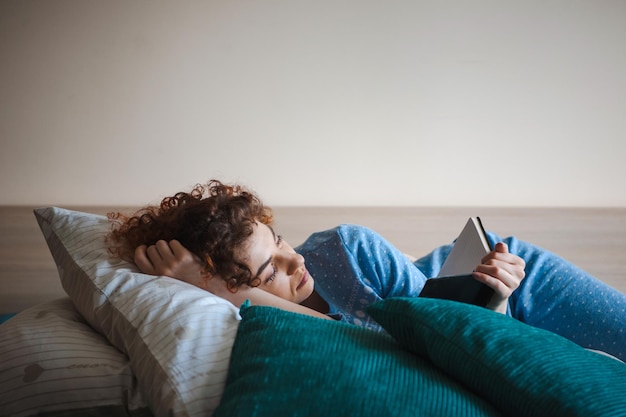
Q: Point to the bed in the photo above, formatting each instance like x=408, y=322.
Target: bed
x=92, y=336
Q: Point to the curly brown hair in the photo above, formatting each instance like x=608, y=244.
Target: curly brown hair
x=211, y=221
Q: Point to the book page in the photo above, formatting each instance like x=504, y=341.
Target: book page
x=470, y=247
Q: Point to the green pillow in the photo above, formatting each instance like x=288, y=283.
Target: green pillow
x=287, y=364
x=522, y=370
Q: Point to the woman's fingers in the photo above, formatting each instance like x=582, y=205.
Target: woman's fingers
x=142, y=260
x=181, y=253
x=501, y=280
x=156, y=259
x=501, y=270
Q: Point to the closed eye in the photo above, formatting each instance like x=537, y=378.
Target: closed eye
x=279, y=241
x=272, y=276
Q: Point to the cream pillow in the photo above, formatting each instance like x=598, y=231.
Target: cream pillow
x=178, y=337
x=53, y=363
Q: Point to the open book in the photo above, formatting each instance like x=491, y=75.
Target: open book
x=455, y=280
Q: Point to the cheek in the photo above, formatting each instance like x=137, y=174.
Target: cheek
x=279, y=288
x=283, y=288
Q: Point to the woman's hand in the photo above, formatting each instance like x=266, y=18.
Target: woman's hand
x=171, y=259
x=501, y=271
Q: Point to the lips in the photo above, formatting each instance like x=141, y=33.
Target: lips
x=305, y=278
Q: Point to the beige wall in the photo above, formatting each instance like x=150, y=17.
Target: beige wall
x=351, y=102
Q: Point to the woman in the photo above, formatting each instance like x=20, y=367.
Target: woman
x=219, y=238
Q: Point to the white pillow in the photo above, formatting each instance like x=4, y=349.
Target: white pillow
x=53, y=363
x=178, y=337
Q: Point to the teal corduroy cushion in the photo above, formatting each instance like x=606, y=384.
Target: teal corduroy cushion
x=522, y=370
x=287, y=364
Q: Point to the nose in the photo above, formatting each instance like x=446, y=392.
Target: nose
x=294, y=262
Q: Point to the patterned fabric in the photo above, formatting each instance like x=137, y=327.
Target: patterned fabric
x=562, y=298
x=52, y=362
x=177, y=337
x=354, y=267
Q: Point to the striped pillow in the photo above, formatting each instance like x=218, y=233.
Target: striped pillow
x=52, y=362
x=178, y=337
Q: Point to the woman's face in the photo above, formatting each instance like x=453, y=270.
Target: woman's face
x=279, y=268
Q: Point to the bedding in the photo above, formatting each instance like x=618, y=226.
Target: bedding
x=177, y=338
x=52, y=363
x=287, y=364
x=443, y=358
x=522, y=370
x=165, y=348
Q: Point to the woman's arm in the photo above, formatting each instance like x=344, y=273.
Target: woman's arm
x=257, y=297
x=172, y=259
